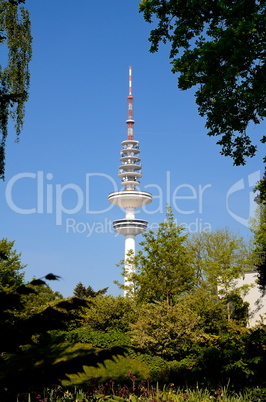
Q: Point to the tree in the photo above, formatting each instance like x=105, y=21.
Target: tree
x=83, y=292
x=28, y=350
x=219, y=47
x=30, y=313
x=14, y=78
x=259, y=229
x=217, y=314
x=11, y=266
x=36, y=302
x=219, y=259
x=104, y=323
x=165, y=330
x=235, y=358
x=110, y=313
x=32, y=298
x=162, y=268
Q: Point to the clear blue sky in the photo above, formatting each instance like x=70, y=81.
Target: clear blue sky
x=74, y=124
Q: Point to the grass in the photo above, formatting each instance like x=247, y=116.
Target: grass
x=151, y=394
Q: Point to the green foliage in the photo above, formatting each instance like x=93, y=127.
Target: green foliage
x=219, y=258
x=259, y=229
x=257, y=395
x=10, y=267
x=185, y=335
x=101, y=339
x=211, y=311
x=14, y=78
x=36, y=302
x=165, y=330
x=159, y=367
x=109, y=312
x=41, y=362
x=237, y=309
x=260, y=189
x=189, y=312
x=30, y=312
x=219, y=47
x=83, y=292
x=234, y=357
x=36, y=367
x=162, y=268
x=116, y=369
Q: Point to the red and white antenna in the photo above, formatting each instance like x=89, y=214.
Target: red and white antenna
x=130, y=121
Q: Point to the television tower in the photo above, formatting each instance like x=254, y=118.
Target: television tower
x=130, y=198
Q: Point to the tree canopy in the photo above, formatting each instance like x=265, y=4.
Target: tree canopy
x=219, y=258
x=189, y=309
x=163, y=330
x=15, y=35
x=162, y=267
x=83, y=292
x=186, y=336
x=11, y=267
x=200, y=270
x=219, y=47
x=259, y=229
x=30, y=313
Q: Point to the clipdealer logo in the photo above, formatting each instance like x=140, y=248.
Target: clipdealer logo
x=52, y=198
x=241, y=185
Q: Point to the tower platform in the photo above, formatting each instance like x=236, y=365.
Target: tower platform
x=130, y=226
x=130, y=199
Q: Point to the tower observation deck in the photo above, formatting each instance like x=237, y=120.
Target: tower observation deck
x=129, y=198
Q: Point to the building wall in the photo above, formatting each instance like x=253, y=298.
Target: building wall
x=257, y=303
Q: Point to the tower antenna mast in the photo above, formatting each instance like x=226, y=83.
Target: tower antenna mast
x=130, y=99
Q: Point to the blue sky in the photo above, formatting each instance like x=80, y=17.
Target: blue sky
x=69, y=148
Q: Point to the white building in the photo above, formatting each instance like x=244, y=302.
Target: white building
x=257, y=302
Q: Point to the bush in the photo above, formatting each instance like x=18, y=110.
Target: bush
x=257, y=395
x=159, y=368
x=101, y=339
